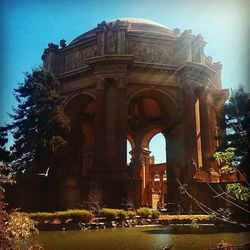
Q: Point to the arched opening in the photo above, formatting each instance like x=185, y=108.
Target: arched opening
x=150, y=112
x=157, y=147
x=81, y=111
x=129, y=148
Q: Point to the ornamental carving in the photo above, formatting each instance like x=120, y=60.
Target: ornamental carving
x=111, y=41
x=78, y=58
x=151, y=53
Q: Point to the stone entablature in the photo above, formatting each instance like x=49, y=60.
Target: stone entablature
x=161, y=49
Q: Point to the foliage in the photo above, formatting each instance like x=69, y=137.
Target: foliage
x=227, y=169
x=38, y=119
x=198, y=217
x=122, y=215
x=128, y=204
x=131, y=214
x=94, y=202
x=14, y=228
x=110, y=213
x=77, y=215
x=225, y=159
x=235, y=120
x=194, y=223
x=114, y=214
x=20, y=226
x=4, y=153
x=5, y=240
x=223, y=245
x=239, y=191
x=155, y=214
x=144, y=212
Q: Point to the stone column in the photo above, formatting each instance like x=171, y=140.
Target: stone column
x=174, y=155
x=205, y=130
x=121, y=123
x=189, y=99
x=140, y=162
x=99, y=151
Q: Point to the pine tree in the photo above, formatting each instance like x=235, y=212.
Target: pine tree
x=38, y=120
x=4, y=153
x=235, y=120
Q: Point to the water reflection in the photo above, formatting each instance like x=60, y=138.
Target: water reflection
x=134, y=238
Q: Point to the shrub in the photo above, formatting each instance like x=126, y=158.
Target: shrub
x=75, y=214
x=113, y=214
x=41, y=216
x=122, y=214
x=144, y=212
x=131, y=214
x=155, y=214
x=109, y=213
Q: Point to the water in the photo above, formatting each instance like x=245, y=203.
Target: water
x=134, y=238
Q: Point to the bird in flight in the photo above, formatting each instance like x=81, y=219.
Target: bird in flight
x=45, y=174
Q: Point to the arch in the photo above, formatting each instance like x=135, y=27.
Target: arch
x=166, y=103
x=151, y=90
x=149, y=133
x=157, y=147
x=72, y=96
x=131, y=140
x=77, y=104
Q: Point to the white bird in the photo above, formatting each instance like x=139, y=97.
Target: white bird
x=45, y=174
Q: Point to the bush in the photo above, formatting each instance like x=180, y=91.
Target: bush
x=109, y=213
x=41, y=216
x=74, y=214
x=131, y=214
x=155, y=214
x=122, y=215
x=113, y=214
x=144, y=212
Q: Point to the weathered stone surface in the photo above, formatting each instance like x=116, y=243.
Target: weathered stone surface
x=131, y=79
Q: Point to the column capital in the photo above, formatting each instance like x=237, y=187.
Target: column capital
x=192, y=77
x=170, y=128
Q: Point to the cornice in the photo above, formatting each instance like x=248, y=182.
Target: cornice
x=76, y=73
x=153, y=67
x=109, y=59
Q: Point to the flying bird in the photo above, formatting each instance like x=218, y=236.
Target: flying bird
x=45, y=174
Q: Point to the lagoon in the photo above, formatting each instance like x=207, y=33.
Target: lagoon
x=149, y=238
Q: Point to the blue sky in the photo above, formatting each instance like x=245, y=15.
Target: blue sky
x=28, y=26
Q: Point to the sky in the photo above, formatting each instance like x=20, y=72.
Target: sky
x=28, y=26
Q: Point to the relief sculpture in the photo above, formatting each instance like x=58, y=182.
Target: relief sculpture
x=151, y=53
x=77, y=59
x=111, y=41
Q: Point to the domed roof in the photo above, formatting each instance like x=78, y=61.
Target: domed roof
x=142, y=24
x=135, y=25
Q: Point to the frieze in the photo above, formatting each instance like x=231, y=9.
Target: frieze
x=110, y=68
x=78, y=58
x=151, y=53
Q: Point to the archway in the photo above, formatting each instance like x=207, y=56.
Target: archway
x=157, y=147
x=81, y=111
x=129, y=148
x=150, y=112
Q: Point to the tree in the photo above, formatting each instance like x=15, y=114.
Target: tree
x=4, y=153
x=38, y=120
x=235, y=120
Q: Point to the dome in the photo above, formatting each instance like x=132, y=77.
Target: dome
x=135, y=25
x=140, y=24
